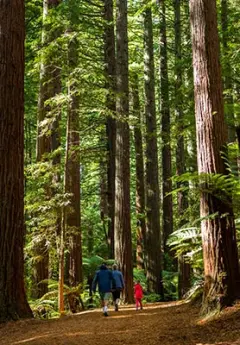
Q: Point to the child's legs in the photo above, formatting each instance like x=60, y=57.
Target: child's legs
x=140, y=302
x=137, y=302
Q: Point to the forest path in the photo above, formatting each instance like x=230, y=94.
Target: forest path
x=161, y=324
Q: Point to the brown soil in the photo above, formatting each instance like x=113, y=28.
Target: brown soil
x=162, y=324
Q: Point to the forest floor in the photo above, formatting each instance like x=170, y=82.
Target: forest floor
x=158, y=324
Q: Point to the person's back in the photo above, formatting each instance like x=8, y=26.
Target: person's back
x=104, y=279
x=118, y=277
x=138, y=294
x=119, y=285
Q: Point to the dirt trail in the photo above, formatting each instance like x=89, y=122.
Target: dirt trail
x=162, y=324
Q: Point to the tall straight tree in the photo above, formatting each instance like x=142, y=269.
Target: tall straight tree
x=218, y=233
x=72, y=171
x=110, y=73
x=50, y=86
x=165, y=114
x=13, y=302
x=140, y=183
x=122, y=234
x=183, y=266
x=153, y=238
x=227, y=72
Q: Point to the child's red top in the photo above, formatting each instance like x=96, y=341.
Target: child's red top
x=138, y=291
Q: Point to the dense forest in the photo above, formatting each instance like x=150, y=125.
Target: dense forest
x=119, y=143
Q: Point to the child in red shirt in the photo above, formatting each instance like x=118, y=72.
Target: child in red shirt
x=138, y=294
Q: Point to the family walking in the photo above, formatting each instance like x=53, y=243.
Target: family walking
x=112, y=282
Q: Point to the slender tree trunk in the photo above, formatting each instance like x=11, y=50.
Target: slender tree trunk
x=183, y=266
x=153, y=238
x=110, y=71
x=166, y=150
x=122, y=235
x=140, y=183
x=13, y=301
x=73, y=218
x=104, y=199
x=50, y=86
x=227, y=73
x=218, y=233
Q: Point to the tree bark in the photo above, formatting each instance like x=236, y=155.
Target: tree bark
x=153, y=238
x=110, y=72
x=13, y=301
x=73, y=218
x=218, y=233
x=140, y=183
x=122, y=234
x=182, y=201
x=166, y=149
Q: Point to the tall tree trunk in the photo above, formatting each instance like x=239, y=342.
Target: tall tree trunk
x=50, y=85
x=110, y=71
x=166, y=149
x=218, y=234
x=140, y=183
x=73, y=219
x=13, y=301
x=183, y=266
x=153, y=238
x=227, y=73
x=122, y=235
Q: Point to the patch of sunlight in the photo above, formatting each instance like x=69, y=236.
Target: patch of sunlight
x=31, y=339
x=78, y=333
x=120, y=316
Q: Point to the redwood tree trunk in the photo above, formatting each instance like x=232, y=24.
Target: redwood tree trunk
x=218, y=233
x=183, y=266
x=123, y=238
x=166, y=149
x=140, y=183
x=72, y=171
x=13, y=302
x=50, y=86
x=110, y=72
x=153, y=238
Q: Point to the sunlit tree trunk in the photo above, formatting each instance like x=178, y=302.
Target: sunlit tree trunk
x=13, y=302
x=183, y=266
x=153, y=238
x=140, y=183
x=50, y=86
x=227, y=72
x=72, y=187
x=123, y=238
x=166, y=149
x=110, y=71
x=218, y=232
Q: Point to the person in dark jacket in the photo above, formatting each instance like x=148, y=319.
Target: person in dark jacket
x=119, y=286
x=105, y=281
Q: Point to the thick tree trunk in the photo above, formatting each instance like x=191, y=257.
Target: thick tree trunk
x=110, y=71
x=153, y=237
x=218, y=233
x=73, y=218
x=227, y=73
x=166, y=149
x=183, y=266
x=122, y=235
x=13, y=302
x=140, y=183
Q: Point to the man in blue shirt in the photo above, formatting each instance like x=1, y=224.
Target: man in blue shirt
x=105, y=281
x=119, y=285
